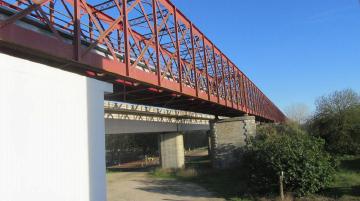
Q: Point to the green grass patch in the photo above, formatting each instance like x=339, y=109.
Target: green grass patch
x=346, y=185
x=163, y=173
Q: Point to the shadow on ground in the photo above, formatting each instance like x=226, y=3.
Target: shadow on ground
x=174, y=187
x=139, y=169
x=337, y=192
x=351, y=164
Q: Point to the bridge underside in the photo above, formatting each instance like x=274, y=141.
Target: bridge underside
x=120, y=126
x=141, y=93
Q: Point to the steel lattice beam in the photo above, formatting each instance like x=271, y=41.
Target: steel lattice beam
x=144, y=41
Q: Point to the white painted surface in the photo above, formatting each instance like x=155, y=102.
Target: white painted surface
x=120, y=126
x=51, y=134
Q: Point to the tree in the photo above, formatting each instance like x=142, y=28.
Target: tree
x=298, y=113
x=337, y=121
x=337, y=102
x=306, y=165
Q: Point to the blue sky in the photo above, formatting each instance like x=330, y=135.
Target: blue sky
x=295, y=51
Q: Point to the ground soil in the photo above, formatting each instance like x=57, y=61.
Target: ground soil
x=139, y=186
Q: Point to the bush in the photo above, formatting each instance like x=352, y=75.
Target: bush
x=307, y=167
x=270, y=130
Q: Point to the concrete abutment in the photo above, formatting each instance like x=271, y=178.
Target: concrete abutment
x=52, y=140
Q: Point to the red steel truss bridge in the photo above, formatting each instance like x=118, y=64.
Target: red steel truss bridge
x=148, y=49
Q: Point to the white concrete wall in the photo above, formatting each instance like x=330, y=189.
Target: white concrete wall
x=52, y=144
x=120, y=126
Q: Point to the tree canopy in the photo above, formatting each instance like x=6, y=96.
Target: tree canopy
x=337, y=120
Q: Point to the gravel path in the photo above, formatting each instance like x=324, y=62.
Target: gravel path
x=138, y=186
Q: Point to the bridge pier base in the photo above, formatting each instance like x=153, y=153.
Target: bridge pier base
x=228, y=138
x=171, y=150
x=52, y=140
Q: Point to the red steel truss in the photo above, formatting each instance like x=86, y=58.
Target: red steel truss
x=147, y=48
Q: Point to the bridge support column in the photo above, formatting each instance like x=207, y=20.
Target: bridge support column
x=52, y=140
x=228, y=137
x=172, y=150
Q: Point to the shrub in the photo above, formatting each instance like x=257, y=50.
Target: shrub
x=270, y=130
x=307, y=167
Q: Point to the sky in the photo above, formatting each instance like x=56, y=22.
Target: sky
x=293, y=50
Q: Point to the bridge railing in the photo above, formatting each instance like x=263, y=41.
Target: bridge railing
x=149, y=41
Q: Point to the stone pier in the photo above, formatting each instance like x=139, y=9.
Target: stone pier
x=228, y=138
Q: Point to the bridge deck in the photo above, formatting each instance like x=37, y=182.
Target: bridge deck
x=118, y=110
x=151, y=52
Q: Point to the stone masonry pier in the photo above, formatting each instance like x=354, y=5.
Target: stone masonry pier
x=228, y=137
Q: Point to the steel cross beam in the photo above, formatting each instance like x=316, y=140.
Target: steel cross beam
x=146, y=41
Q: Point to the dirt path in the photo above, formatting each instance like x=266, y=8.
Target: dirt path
x=138, y=186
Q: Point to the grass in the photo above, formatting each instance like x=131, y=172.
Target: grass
x=230, y=184
x=346, y=185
